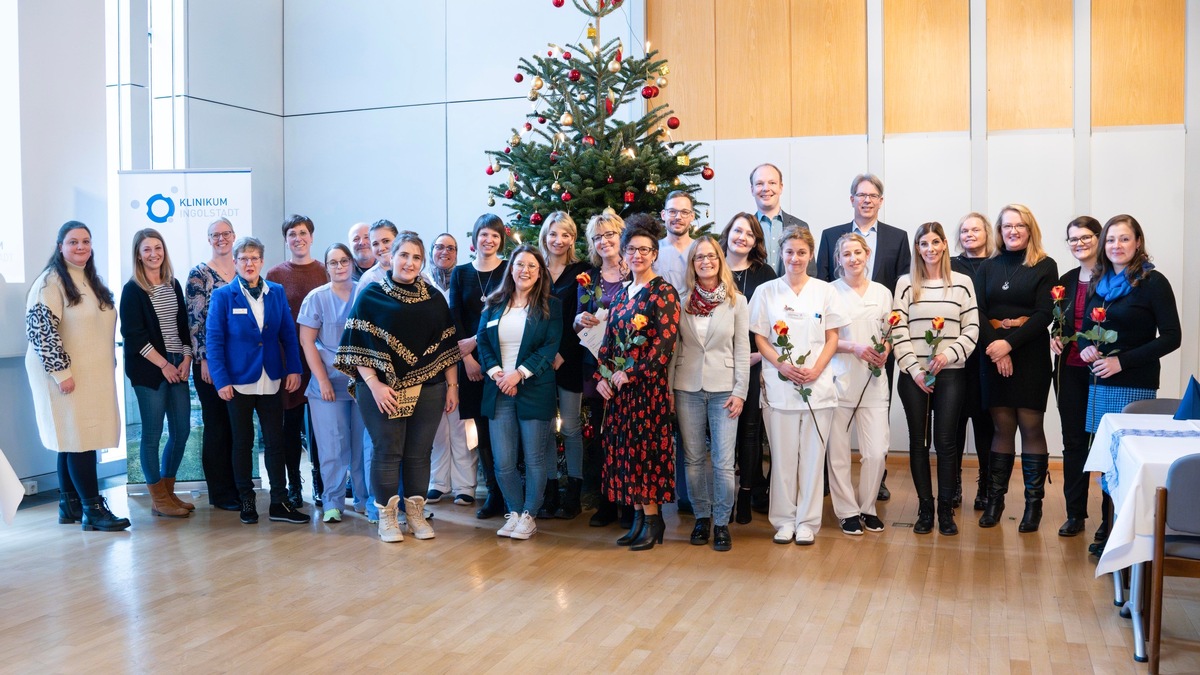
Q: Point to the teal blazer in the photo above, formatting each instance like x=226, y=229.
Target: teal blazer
x=537, y=396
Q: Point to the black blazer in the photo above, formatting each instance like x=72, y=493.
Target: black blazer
x=139, y=327
x=893, y=257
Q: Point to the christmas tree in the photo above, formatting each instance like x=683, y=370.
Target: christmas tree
x=571, y=154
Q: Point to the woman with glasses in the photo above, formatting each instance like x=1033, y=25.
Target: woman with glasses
x=1128, y=296
x=607, y=276
x=709, y=374
x=335, y=417
x=158, y=355
x=563, y=267
x=746, y=255
x=217, y=436
x=975, y=245
x=1015, y=309
x=519, y=335
x=643, y=324
x=254, y=357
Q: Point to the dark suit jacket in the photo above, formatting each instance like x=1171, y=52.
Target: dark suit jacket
x=893, y=257
x=537, y=396
x=791, y=221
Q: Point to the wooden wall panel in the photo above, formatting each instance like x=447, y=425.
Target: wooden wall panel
x=1030, y=64
x=926, y=66
x=684, y=33
x=829, y=67
x=753, y=69
x=1137, y=62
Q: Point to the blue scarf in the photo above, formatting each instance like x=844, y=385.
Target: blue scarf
x=1115, y=285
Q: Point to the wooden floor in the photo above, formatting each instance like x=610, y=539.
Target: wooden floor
x=209, y=594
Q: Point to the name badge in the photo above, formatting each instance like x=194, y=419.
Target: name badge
x=240, y=310
x=493, y=322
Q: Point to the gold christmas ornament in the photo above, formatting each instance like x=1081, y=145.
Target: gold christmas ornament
x=665, y=70
x=491, y=200
x=533, y=95
x=614, y=66
x=676, y=181
x=662, y=82
x=567, y=119
x=556, y=186
x=538, y=82
x=515, y=140
x=651, y=187
x=683, y=160
x=583, y=97
x=496, y=165
x=591, y=32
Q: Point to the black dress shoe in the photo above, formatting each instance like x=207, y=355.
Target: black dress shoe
x=1072, y=527
x=721, y=539
x=686, y=508
x=700, y=533
x=492, y=507
x=884, y=493
x=234, y=506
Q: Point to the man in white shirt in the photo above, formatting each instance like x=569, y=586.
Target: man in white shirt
x=678, y=215
x=766, y=184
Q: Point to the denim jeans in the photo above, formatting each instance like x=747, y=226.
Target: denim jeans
x=407, y=439
x=172, y=401
x=711, y=486
x=509, y=436
x=269, y=408
x=569, y=403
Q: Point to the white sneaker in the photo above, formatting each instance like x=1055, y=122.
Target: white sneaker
x=510, y=523
x=525, y=528
x=389, y=526
x=784, y=535
x=805, y=536
x=414, y=509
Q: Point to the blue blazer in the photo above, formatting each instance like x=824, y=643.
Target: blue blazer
x=537, y=396
x=237, y=350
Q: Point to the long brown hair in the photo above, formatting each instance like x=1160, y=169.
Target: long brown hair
x=918, y=277
x=1136, y=270
x=758, y=252
x=166, y=272
x=58, y=265
x=539, y=295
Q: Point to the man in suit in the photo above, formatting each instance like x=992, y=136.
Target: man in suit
x=766, y=184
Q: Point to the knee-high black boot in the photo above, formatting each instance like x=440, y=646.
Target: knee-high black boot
x=1000, y=468
x=1033, y=469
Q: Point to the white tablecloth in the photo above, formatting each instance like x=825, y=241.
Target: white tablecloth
x=1134, y=452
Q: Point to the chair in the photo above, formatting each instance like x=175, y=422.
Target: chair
x=1176, y=555
x=1153, y=406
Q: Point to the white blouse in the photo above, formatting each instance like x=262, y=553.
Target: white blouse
x=868, y=317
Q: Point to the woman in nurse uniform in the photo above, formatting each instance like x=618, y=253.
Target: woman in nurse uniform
x=806, y=313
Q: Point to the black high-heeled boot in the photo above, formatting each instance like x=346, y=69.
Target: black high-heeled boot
x=981, y=489
x=652, y=533
x=605, y=515
x=635, y=529
x=70, y=509
x=96, y=516
x=549, y=500
x=570, y=504
x=1033, y=470
x=1000, y=468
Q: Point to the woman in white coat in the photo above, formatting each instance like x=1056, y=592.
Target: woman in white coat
x=797, y=316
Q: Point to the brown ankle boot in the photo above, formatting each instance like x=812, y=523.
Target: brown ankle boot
x=161, y=504
x=170, y=485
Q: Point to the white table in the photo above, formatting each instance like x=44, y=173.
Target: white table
x=1134, y=453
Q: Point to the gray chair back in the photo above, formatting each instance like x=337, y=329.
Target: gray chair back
x=1153, y=406
x=1183, y=486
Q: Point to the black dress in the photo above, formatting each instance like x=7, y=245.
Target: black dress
x=467, y=288
x=1006, y=289
x=749, y=431
x=569, y=375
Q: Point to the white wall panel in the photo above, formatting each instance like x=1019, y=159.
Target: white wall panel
x=221, y=137
x=1141, y=172
x=1035, y=168
x=732, y=161
x=926, y=177
x=364, y=54
x=471, y=129
x=822, y=168
x=235, y=53
x=362, y=166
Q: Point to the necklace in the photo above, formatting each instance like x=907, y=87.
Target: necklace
x=483, y=288
x=1010, y=276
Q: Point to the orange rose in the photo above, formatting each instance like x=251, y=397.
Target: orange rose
x=781, y=327
x=938, y=323
x=894, y=319
x=1099, y=314
x=1058, y=292
x=639, y=321
x=585, y=279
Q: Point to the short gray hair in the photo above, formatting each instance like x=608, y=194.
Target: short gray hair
x=244, y=243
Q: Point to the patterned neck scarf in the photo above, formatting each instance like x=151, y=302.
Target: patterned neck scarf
x=254, y=291
x=702, y=302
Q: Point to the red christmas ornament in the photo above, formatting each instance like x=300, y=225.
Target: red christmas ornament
x=707, y=173
x=673, y=122
x=536, y=218
x=608, y=106
x=558, y=3
x=508, y=194
x=541, y=120
x=507, y=150
x=574, y=75
x=566, y=56
x=472, y=248
x=618, y=55
x=549, y=52
x=647, y=92
x=553, y=157
x=629, y=196
x=518, y=77
x=589, y=140
x=489, y=171
x=507, y=230
x=528, y=126
x=610, y=180
x=655, y=88
x=566, y=196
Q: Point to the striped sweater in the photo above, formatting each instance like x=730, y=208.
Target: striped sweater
x=954, y=303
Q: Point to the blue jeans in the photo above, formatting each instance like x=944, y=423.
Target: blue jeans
x=172, y=401
x=711, y=488
x=569, y=403
x=509, y=436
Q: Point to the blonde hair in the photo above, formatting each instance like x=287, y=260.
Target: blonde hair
x=166, y=272
x=608, y=220
x=849, y=237
x=989, y=244
x=1034, y=253
x=724, y=275
x=918, y=263
x=801, y=233
x=559, y=218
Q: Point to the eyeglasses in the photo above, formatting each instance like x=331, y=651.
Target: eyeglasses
x=344, y=262
x=707, y=257
x=218, y=236
x=677, y=213
x=1014, y=227
x=867, y=196
x=531, y=267
x=604, y=236
x=445, y=247
x=249, y=260
x=1085, y=240
x=640, y=250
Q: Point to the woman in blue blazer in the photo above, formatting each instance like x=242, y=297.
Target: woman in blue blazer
x=252, y=348
x=518, y=337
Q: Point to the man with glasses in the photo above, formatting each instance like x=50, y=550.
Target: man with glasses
x=359, y=237
x=766, y=184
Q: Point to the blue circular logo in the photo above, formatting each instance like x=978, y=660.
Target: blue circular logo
x=150, y=208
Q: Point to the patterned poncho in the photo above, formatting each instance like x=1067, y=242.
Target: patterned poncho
x=403, y=331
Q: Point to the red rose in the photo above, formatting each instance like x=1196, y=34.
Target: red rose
x=584, y=279
x=938, y=323
x=1058, y=292
x=1099, y=314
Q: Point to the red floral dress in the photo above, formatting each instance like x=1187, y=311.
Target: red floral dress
x=639, y=466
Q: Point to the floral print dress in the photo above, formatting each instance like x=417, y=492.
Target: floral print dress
x=639, y=466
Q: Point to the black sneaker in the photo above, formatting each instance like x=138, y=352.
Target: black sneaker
x=284, y=513
x=294, y=498
x=872, y=523
x=464, y=500
x=852, y=526
x=434, y=496
x=249, y=510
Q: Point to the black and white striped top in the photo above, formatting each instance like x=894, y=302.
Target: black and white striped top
x=166, y=308
x=954, y=303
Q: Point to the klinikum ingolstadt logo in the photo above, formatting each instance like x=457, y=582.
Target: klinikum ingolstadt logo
x=159, y=209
